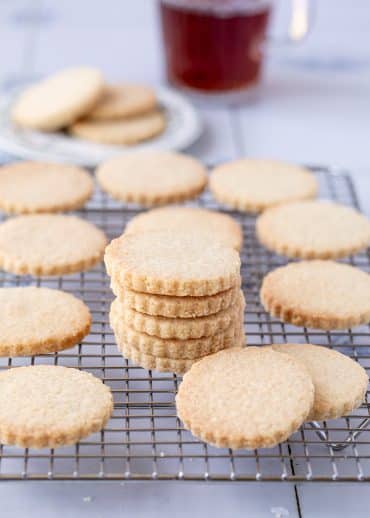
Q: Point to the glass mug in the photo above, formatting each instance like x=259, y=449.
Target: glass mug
x=216, y=46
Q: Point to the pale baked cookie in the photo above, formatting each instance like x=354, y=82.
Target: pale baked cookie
x=121, y=131
x=185, y=219
x=171, y=307
x=191, y=349
x=59, y=100
x=165, y=263
x=340, y=383
x=29, y=187
x=251, y=397
x=152, y=178
x=313, y=230
x=49, y=244
x=123, y=100
x=254, y=185
x=318, y=294
x=158, y=363
x=40, y=320
x=47, y=406
x=179, y=328
x=148, y=361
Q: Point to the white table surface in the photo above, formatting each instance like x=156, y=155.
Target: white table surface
x=314, y=108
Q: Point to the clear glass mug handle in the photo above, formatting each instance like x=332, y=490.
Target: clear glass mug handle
x=300, y=23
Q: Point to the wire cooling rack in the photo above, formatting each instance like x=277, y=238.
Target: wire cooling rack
x=144, y=440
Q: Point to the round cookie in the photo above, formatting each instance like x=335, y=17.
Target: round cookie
x=40, y=320
x=59, y=100
x=230, y=399
x=318, y=294
x=178, y=328
x=158, y=363
x=49, y=244
x=185, y=219
x=175, y=307
x=313, y=230
x=340, y=383
x=254, y=185
x=30, y=187
x=152, y=178
x=47, y=406
x=121, y=131
x=149, y=362
x=123, y=100
x=165, y=263
x=191, y=349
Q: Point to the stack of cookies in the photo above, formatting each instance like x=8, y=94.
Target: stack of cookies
x=79, y=100
x=125, y=114
x=178, y=297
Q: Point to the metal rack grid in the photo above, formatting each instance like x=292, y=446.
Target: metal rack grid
x=144, y=440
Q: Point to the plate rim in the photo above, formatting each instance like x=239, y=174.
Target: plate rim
x=190, y=130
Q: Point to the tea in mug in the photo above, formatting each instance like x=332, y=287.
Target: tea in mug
x=214, y=45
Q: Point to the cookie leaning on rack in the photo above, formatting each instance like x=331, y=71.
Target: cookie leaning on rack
x=340, y=383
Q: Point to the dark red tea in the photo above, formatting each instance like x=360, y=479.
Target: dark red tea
x=214, y=45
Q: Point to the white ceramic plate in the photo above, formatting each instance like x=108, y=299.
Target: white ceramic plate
x=183, y=129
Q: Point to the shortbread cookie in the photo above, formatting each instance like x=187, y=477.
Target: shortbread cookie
x=47, y=406
x=313, y=230
x=152, y=178
x=147, y=361
x=50, y=244
x=171, y=307
x=318, y=294
x=158, y=363
x=29, y=187
x=122, y=131
x=59, y=100
x=340, y=383
x=185, y=219
x=191, y=349
x=40, y=320
x=179, y=328
x=123, y=100
x=254, y=185
x=165, y=263
x=251, y=397
x=175, y=348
